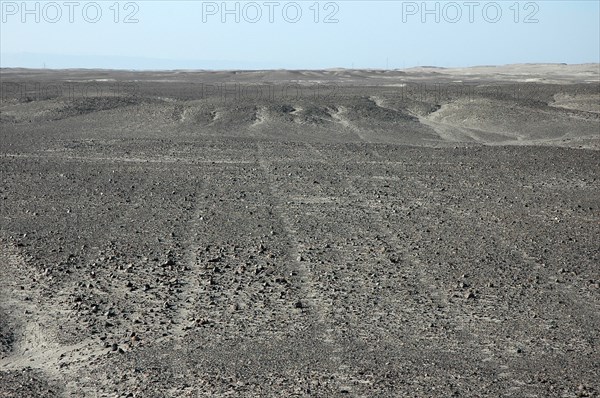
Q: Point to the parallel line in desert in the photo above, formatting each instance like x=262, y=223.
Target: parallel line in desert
x=184, y=315
x=317, y=303
x=392, y=240
x=309, y=286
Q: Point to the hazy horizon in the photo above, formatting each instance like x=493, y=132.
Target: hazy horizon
x=301, y=69
x=243, y=35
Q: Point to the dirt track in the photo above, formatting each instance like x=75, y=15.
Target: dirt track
x=372, y=240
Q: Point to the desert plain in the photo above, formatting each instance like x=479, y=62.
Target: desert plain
x=425, y=232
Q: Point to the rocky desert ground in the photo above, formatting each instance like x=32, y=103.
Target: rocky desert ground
x=425, y=232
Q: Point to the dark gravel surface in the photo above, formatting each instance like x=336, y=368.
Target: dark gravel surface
x=368, y=245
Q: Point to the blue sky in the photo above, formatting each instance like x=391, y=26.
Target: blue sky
x=367, y=34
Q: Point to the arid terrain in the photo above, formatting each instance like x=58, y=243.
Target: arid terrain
x=425, y=232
